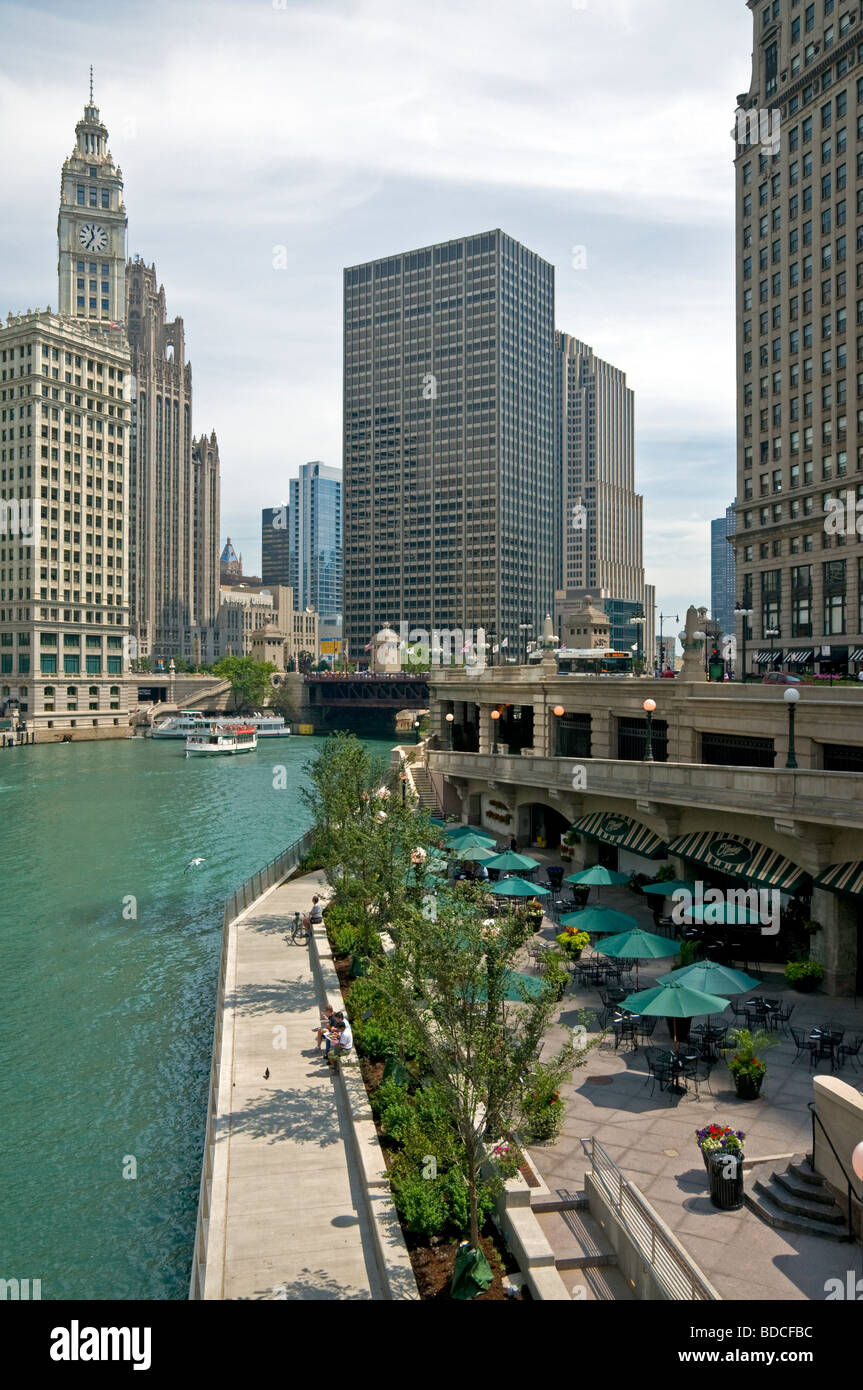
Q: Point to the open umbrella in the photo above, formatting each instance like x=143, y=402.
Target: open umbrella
x=712, y=978
x=725, y=913
x=599, y=919
x=513, y=982
x=455, y=832
x=671, y=885
x=456, y=847
x=676, y=999
x=481, y=854
x=510, y=862
x=639, y=945
x=519, y=888
x=597, y=877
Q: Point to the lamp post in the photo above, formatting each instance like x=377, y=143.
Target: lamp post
x=416, y=731
x=558, y=713
x=744, y=613
x=491, y=638
x=404, y=787
x=495, y=716
x=791, y=698
x=525, y=628
x=771, y=632
x=663, y=618
x=450, y=719
x=649, y=706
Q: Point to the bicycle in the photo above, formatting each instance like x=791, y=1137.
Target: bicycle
x=300, y=932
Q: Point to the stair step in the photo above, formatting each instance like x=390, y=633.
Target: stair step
x=802, y=1168
x=807, y=1191
x=764, y=1207
x=799, y=1206
x=576, y=1239
x=605, y=1284
x=578, y=1201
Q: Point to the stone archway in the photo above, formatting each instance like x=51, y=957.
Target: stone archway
x=540, y=825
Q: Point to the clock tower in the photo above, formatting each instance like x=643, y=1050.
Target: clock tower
x=91, y=227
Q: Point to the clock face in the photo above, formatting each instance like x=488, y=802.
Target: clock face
x=93, y=237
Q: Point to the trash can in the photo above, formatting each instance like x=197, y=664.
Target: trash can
x=726, y=1181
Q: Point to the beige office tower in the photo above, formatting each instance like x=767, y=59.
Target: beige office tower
x=173, y=573
x=798, y=152
x=599, y=532
x=64, y=468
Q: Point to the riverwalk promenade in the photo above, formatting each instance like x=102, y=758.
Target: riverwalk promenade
x=286, y=1215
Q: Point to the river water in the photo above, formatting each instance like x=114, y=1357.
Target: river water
x=109, y=955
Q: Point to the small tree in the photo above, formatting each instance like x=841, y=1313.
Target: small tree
x=250, y=679
x=450, y=980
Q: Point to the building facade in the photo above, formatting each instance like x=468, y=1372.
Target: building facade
x=276, y=545
x=64, y=468
x=315, y=551
x=448, y=440
x=723, y=583
x=799, y=162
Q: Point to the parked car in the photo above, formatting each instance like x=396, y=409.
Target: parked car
x=780, y=678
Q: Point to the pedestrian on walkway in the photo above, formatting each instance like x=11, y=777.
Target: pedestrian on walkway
x=315, y=915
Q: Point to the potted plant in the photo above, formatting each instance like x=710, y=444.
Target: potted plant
x=719, y=1139
x=745, y=1064
x=722, y=1150
x=555, y=974
x=804, y=975
x=573, y=942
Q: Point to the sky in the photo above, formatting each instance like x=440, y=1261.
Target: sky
x=266, y=144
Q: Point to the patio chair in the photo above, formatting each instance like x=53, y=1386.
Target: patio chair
x=783, y=1016
x=645, y=1028
x=609, y=1007
x=738, y=1009
x=697, y=1070
x=852, y=1050
x=800, y=1042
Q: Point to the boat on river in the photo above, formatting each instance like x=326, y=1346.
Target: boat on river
x=190, y=721
x=222, y=739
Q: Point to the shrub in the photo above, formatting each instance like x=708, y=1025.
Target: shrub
x=543, y=1110
x=797, y=970
x=573, y=940
x=377, y=1031
x=435, y=1205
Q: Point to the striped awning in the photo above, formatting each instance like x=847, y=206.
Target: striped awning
x=742, y=858
x=764, y=658
x=621, y=831
x=798, y=658
x=856, y=655
x=843, y=878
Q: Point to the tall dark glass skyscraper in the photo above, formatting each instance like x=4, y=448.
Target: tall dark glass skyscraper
x=722, y=571
x=448, y=439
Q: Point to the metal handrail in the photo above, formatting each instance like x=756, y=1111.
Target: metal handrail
x=673, y=1268
x=846, y=1175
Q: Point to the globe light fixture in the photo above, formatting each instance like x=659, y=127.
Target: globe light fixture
x=558, y=710
x=649, y=706
x=449, y=719
x=495, y=716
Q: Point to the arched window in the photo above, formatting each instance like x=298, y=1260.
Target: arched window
x=94, y=691
x=115, y=692
x=49, y=692
x=72, y=692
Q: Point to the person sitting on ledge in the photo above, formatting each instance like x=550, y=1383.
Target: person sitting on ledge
x=339, y=1040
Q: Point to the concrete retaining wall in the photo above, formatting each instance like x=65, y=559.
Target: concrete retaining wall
x=840, y=1109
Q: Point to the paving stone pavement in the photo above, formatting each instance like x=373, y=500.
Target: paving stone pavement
x=652, y=1139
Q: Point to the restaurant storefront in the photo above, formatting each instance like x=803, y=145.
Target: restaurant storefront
x=626, y=844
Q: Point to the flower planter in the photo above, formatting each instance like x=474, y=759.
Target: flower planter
x=726, y=1181
x=748, y=1087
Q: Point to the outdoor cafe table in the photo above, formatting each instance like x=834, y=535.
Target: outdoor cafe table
x=710, y=1037
x=825, y=1042
x=762, y=1010
x=668, y=1067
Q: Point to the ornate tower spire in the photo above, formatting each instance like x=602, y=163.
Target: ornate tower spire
x=91, y=226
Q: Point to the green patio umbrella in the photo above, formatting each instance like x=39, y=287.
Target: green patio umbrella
x=674, y=1000
x=671, y=885
x=599, y=919
x=519, y=888
x=510, y=862
x=513, y=981
x=724, y=914
x=457, y=831
x=455, y=848
x=639, y=945
x=712, y=978
x=597, y=877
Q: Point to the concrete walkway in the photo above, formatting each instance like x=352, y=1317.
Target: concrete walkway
x=291, y=1222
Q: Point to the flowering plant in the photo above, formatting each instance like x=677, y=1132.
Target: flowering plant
x=716, y=1138
x=573, y=940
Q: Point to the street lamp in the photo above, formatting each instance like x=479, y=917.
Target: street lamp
x=416, y=731
x=558, y=713
x=449, y=719
x=639, y=624
x=495, y=715
x=771, y=632
x=649, y=706
x=491, y=638
x=525, y=628
x=745, y=614
x=791, y=698
x=663, y=618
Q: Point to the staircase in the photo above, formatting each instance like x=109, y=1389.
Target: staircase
x=586, y=1263
x=423, y=784
x=796, y=1200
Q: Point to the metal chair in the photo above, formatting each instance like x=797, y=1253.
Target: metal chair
x=799, y=1042
x=696, y=1070
x=783, y=1015
x=852, y=1050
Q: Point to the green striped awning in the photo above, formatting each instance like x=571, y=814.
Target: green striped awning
x=743, y=858
x=843, y=878
x=621, y=831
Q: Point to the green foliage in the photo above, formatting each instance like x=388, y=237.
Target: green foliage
x=439, y=1205
x=382, y=1033
x=543, y=1107
x=665, y=874
x=571, y=939
x=249, y=679
x=690, y=952
x=744, y=1049
x=797, y=970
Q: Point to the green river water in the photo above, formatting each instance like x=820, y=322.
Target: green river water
x=106, y=1021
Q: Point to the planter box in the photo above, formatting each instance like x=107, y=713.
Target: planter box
x=748, y=1087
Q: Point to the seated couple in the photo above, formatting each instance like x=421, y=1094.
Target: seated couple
x=334, y=1033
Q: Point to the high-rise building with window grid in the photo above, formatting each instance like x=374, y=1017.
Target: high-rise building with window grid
x=799, y=172
x=449, y=440
x=315, y=520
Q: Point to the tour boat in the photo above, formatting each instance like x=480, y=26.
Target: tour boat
x=222, y=738
x=190, y=721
